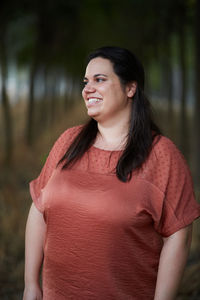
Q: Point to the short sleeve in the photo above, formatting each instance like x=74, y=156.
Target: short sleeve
x=56, y=153
x=179, y=207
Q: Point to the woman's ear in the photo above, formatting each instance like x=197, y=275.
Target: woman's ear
x=131, y=89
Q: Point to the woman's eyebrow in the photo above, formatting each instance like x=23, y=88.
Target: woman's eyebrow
x=100, y=75
x=96, y=75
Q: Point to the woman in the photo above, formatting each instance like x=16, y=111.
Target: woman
x=114, y=205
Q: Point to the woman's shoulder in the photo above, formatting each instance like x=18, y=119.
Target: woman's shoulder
x=68, y=135
x=165, y=150
x=64, y=140
x=71, y=132
x=165, y=163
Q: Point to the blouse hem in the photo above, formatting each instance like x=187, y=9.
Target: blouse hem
x=181, y=225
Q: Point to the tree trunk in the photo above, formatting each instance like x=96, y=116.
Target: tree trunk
x=44, y=112
x=5, y=101
x=69, y=93
x=53, y=100
x=169, y=84
x=31, y=107
x=197, y=98
x=184, y=135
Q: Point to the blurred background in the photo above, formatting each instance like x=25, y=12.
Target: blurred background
x=43, y=45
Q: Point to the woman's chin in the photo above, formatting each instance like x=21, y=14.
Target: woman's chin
x=92, y=113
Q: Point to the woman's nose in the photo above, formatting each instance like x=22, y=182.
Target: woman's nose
x=89, y=87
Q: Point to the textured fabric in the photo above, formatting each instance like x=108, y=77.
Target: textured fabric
x=104, y=237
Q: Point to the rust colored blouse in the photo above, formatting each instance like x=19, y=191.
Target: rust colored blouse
x=104, y=237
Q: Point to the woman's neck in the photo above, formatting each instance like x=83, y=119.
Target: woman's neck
x=112, y=137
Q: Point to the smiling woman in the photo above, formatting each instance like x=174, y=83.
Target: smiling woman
x=114, y=202
x=106, y=99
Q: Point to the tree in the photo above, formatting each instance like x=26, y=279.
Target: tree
x=197, y=94
x=8, y=130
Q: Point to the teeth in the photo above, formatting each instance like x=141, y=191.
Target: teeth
x=94, y=100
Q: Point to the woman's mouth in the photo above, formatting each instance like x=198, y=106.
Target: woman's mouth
x=94, y=101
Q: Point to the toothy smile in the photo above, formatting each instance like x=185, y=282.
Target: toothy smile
x=94, y=100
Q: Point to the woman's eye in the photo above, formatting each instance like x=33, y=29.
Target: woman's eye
x=84, y=83
x=100, y=79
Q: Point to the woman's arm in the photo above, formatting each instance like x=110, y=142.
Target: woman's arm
x=34, y=240
x=172, y=263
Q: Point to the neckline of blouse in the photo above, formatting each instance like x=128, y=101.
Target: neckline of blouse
x=106, y=150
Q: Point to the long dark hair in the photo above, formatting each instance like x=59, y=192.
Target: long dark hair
x=142, y=129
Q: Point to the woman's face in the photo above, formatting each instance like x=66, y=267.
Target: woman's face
x=104, y=96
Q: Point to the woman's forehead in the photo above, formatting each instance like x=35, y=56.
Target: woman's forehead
x=99, y=65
